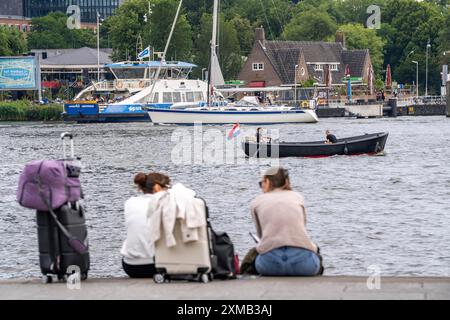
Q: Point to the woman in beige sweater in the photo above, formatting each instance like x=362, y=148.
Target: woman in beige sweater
x=285, y=248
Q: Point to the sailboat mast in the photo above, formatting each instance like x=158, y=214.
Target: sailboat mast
x=163, y=59
x=213, y=48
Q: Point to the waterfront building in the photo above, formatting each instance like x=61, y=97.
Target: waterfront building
x=89, y=9
x=286, y=63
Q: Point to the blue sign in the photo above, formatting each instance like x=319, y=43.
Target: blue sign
x=18, y=73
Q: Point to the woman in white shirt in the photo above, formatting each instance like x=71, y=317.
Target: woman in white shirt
x=138, y=252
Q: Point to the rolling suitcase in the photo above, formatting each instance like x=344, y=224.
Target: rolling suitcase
x=186, y=260
x=62, y=232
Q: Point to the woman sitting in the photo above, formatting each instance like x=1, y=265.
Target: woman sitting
x=138, y=251
x=285, y=248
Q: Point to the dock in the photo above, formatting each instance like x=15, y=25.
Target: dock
x=249, y=288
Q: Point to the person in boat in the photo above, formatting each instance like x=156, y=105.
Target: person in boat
x=331, y=138
x=138, y=251
x=285, y=248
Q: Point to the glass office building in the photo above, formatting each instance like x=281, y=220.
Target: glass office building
x=89, y=8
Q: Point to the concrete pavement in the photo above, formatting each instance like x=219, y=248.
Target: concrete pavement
x=259, y=289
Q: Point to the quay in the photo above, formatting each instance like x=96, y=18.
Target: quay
x=262, y=288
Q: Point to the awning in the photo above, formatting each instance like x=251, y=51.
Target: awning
x=257, y=84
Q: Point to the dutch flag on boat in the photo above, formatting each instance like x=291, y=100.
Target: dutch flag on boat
x=235, y=131
x=144, y=54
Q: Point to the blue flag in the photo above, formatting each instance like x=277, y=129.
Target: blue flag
x=144, y=54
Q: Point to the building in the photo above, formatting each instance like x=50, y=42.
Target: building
x=89, y=9
x=71, y=66
x=278, y=63
x=11, y=8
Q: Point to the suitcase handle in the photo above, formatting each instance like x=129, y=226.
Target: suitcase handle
x=63, y=138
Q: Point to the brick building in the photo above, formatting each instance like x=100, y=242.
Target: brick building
x=276, y=63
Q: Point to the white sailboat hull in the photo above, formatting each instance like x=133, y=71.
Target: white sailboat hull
x=164, y=116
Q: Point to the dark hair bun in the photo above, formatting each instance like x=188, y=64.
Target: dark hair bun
x=140, y=179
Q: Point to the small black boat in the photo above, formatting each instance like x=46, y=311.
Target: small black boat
x=365, y=144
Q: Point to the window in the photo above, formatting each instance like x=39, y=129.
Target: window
x=198, y=96
x=258, y=66
x=167, y=97
x=189, y=97
x=156, y=98
x=318, y=67
x=334, y=67
x=176, y=97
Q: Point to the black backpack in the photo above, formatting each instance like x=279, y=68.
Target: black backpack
x=224, y=262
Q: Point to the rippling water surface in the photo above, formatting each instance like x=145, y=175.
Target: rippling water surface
x=391, y=211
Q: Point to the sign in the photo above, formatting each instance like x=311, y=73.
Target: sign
x=18, y=73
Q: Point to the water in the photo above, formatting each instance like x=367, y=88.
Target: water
x=392, y=212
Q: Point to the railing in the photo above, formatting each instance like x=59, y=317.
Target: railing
x=120, y=84
x=422, y=100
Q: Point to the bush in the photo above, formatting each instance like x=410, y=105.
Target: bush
x=24, y=110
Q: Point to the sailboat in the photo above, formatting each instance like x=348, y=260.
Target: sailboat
x=219, y=112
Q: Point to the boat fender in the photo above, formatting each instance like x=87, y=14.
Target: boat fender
x=346, y=148
x=377, y=147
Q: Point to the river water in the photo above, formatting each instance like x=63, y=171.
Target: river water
x=388, y=213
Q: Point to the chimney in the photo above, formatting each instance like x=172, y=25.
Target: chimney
x=260, y=35
x=340, y=38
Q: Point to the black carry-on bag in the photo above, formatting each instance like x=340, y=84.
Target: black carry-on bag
x=53, y=189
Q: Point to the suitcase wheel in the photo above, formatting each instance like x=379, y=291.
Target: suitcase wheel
x=47, y=279
x=204, y=278
x=159, y=278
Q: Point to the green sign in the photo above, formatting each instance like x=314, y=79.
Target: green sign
x=352, y=79
x=18, y=73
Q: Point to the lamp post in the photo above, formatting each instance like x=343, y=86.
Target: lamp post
x=203, y=74
x=98, y=47
x=426, y=72
x=417, y=77
x=295, y=85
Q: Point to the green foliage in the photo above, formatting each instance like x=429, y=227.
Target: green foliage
x=24, y=110
x=129, y=22
x=310, y=25
x=12, y=42
x=51, y=32
x=229, y=52
x=359, y=37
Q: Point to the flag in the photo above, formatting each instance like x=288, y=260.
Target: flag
x=144, y=54
x=234, y=132
x=388, y=83
x=370, y=80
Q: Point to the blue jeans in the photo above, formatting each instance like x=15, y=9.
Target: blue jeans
x=288, y=261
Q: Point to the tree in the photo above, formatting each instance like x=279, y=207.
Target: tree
x=245, y=34
x=228, y=51
x=409, y=26
x=12, y=42
x=359, y=37
x=133, y=19
x=51, y=32
x=310, y=26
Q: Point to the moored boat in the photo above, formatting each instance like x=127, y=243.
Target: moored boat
x=230, y=115
x=358, y=145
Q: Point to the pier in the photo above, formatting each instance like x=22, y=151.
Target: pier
x=264, y=288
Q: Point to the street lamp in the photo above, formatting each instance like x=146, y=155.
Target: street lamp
x=98, y=45
x=203, y=74
x=426, y=72
x=295, y=85
x=417, y=77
